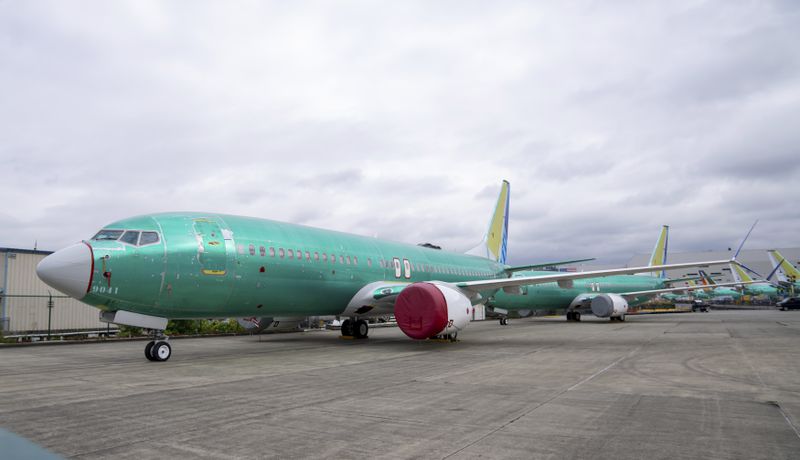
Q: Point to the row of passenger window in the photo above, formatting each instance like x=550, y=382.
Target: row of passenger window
x=299, y=254
x=132, y=237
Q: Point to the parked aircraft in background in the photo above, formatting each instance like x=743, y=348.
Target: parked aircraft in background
x=755, y=288
x=716, y=289
x=788, y=275
x=607, y=297
x=145, y=270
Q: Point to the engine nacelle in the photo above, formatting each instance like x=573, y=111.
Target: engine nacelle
x=269, y=324
x=425, y=310
x=609, y=306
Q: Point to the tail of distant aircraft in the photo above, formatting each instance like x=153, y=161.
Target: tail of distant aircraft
x=739, y=274
x=785, y=270
x=659, y=256
x=707, y=280
x=495, y=243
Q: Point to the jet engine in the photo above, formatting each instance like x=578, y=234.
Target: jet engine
x=424, y=310
x=269, y=324
x=609, y=306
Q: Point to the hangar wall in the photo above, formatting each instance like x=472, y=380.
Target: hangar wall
x=23, y=307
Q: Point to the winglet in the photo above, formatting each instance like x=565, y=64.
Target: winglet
x=495, y=243
x=659, y=256
x=745, y=239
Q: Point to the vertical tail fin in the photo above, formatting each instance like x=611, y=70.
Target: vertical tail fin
x=786, y=271
x=739, y=275
x=495, y=243
x=707, y=280
x=659, y=256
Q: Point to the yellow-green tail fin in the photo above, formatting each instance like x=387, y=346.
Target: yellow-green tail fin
x=787, y=271
x=739, y=274
x=659, y=256
x=495, y=243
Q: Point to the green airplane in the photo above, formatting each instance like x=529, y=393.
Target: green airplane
x=607, y=297
x=143, y=271
x=755, y=288
x=716, y=290
x=788, y=275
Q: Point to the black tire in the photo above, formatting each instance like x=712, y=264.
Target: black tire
x=621, y=318
x=576, y=315
x=148, y=349
x=161, y=351
x=453, y=337
x=347, y=328
x=361, y=329
x=569, y=316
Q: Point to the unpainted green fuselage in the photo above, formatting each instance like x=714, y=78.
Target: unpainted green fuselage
x=213, y=265
x=761, y=289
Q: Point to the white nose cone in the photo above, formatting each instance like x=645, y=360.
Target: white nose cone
x=68, y=270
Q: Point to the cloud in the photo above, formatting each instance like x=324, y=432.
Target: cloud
x=401, y=120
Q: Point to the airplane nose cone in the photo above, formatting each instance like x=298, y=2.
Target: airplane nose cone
x=68, y=270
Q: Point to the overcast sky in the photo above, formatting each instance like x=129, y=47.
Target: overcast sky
x=400, y=119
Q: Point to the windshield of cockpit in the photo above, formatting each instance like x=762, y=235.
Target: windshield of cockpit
x=132, y=237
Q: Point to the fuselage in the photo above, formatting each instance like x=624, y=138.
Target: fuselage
x=761, y=289
x=212, y=265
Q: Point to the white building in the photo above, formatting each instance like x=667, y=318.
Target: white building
x=24, y=301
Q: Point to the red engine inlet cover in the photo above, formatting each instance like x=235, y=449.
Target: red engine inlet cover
x=421, y=310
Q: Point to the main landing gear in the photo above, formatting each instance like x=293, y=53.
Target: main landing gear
x=357, y=329
x=620, y=318
x=158, y=349
x=451, y=337
x=504, y=321
x=573, y=315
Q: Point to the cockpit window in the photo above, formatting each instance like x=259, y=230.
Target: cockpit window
x=148, y=238
x=130, y=237
x=107, y=235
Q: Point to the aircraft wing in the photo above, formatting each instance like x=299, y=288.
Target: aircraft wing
x=375, y=299
x=565, y=278
x=521, y=268
x=675, y=289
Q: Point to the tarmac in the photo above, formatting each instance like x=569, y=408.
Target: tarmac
x=718, y=385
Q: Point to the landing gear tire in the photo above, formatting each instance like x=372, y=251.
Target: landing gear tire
x=576, y=316
x=347, y=328
x=361, y=329
x=161, y=351
x=621, y=318
x=148, y=349
x=453, y=337
x=504, y=321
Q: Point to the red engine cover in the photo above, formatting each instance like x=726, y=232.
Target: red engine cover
x=421, y=310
